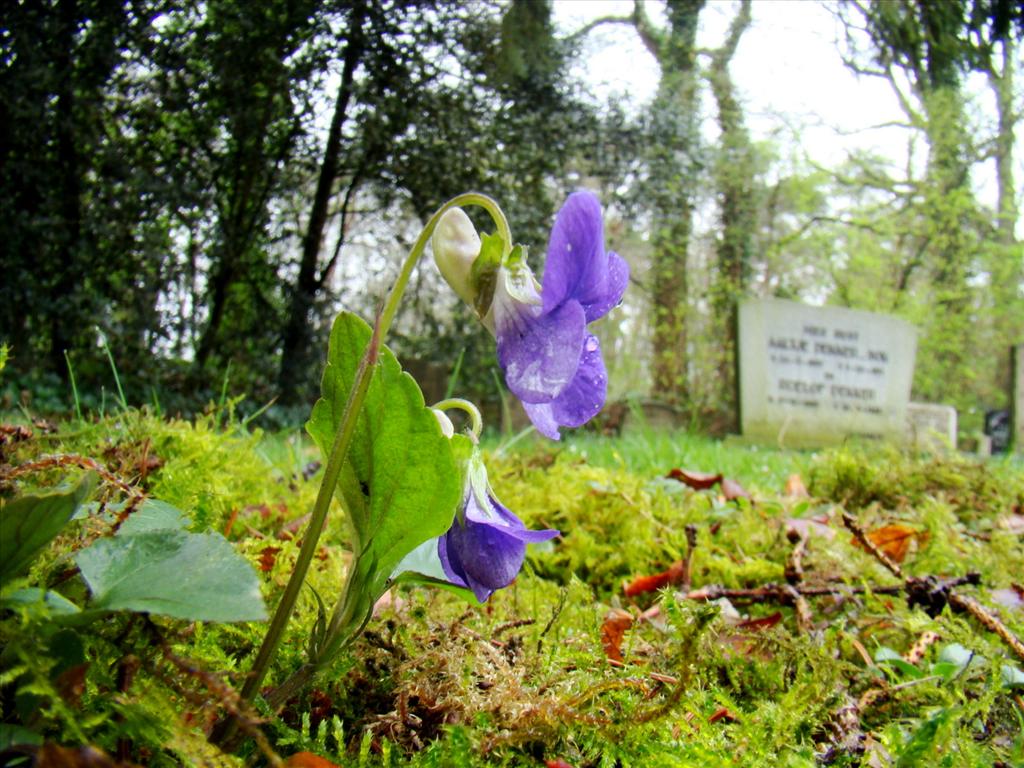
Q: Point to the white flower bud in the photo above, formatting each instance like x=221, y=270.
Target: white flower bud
x=456, y=245
x=447, y=428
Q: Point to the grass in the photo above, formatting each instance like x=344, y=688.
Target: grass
x=533, y=676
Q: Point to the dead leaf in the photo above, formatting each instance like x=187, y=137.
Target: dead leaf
x=795, y=488
x=674, y=575
x=1013, y=523
x=765, y=622
x=268, y=556
x=895, y=539
x=733, y=490
x=308, y=760
x=918, y=649
x=53, y=756
x=723, y=713
x=71, y=684
x=290, y=530
x=654, y=617
x=745, y=645
x=616, y=622
x=699, y=481
x=803, y=527
x=1009, y=598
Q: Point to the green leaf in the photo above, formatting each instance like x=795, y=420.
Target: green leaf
x=154, y=515
x=172, y=573
x=423, y=566
x=402, y=479
x=30, y=522
x=958, y=656
x=1012, y=677
x=56, y=603
x=886, y=655
x=12, y=735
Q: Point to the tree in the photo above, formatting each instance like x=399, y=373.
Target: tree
x=58, y=172
x=734, y=172
x=428, y=137
x=672, y=167
x=253, y=56
x=929, y=46
x=934, y=254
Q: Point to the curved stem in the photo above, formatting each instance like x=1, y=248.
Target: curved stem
x=469, y=198
x=476, y=420
x=339, y=450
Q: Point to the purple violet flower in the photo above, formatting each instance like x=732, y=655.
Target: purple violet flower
x=552, y=363
x=485, y=547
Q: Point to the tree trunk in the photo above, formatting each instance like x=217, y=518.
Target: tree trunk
x=673, y=177
x=64, y=312
x=734, y=177
x=1007, y=201
x=296, y=341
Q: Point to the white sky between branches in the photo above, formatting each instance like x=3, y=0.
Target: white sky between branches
x=790, y=75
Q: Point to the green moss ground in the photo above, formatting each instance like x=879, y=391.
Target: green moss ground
x=525, y=679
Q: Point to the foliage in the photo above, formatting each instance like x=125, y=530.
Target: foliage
x=160, y=166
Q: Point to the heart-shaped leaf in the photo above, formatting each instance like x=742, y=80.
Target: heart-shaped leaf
x=402, y=479
x=153, y=515
x=30, y=522
x=172, y=573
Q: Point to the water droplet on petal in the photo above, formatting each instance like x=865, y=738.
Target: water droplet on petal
x=591, y=344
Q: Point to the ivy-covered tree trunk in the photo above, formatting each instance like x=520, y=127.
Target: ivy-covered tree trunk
x=734, y=179
x=1006, y=256
x=673, y=173
x=1002, y=85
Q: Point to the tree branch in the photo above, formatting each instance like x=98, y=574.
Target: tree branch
x=649, y=35
x=590, y=26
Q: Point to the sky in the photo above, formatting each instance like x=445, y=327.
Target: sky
x=788, y=70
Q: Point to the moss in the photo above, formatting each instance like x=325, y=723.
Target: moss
x=524, y=679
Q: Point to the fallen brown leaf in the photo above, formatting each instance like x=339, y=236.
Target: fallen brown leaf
x=697, y=480
x=722, y=714
x=71, y=684
x=803, y=527
x=894, y=540
x=795, y=488
x=733, y=490
x=268, y=556
x=53, y=756
x=1013, y=523
x=616, y=622
x=308, y=760
x=765, y=622
x=1013, y=597
x=674, y=575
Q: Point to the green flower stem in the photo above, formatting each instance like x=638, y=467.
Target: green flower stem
x=476, y=420
x=339, y=451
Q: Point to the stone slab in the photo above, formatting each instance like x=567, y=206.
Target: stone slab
x=813, y=376
x=931, y=426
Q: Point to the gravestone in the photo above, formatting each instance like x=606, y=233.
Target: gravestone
x=997, y=429
x=931, y=426
x=812, y=376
